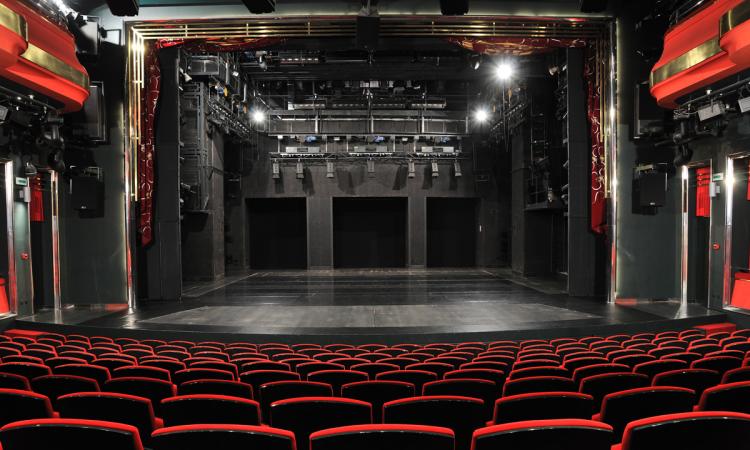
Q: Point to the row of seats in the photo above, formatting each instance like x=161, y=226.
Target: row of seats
x=687, y=431
x=464, y=391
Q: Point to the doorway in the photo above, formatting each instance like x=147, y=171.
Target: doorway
x=696, y=229
x=369, y=232
x=737, y=244
x=451, y=232
x=278, y=233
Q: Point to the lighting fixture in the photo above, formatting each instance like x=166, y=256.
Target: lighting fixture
x=504, y=71
x=300, y=170
x=435, y=172
x=711, y=111
x=371, y=168
x=481, y=115
x=258, y=116
x=275, y=170
x=329, y=169
x=475, y=61
x=744, y=104
x=457, y=169
x=412, y=172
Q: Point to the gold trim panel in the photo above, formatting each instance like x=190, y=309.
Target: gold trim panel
x=55, y=65
x=685, y=61
x=13, y=21
x=734, y=17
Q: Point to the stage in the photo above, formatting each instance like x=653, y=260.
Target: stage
x=381, y=305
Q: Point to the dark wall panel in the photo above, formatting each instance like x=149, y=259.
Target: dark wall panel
x=369, y=232
x=278, y=233
x=451, y=232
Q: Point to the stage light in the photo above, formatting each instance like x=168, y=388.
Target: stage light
x=435, y=169
x=412, y=172
x=258, y=116
x=275, y=170
x=481, y=115
x=457, y=169
x=475, y=61
x=329, y=169
x=371, y=168
x=300, y=170
x=504, y=71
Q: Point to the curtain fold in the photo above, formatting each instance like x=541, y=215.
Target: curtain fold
x=702, y=195
x=36, y=206
x=149, y=105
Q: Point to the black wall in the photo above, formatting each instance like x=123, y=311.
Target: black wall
x=451, y=232
x=278, y=233
x=369, y=232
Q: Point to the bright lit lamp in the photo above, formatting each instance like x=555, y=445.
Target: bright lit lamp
x=481, y=115
x=259, y=116
x=504, y=71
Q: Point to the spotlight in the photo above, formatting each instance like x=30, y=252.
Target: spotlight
x=435, y=172
x=481, y=115
x=457, y=169
x=475, y=61
x=300, y=170
x=371, y=168
x=275, y=170
x=259, y=116
x=29, y=170
x=504, y=71
x=329, y=169
x=412, y=172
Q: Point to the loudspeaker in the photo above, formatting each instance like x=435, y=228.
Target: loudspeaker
x=652, y=189
x=649, y=117
x=593, y=6
x=123, y=7
x=368, y=31
x=454, y=7
x=260, y=6
x=86, y=193
x=87, y=38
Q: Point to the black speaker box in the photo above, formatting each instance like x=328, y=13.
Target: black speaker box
x=368, y=31
x=593, y=6
x=652, y=189
x=260, y=6
x=123, y=7
x=454, y=7
x=86, y=193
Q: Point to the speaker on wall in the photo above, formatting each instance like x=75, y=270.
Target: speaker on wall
x=260, y=6
x=454, y=7
x=593, y=6
x=123, y=7
x=86, y=193
x=652, y=189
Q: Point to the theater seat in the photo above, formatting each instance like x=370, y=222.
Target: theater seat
x=558, y=434
x=463, y=415
x=715, y=430
x=112, y=407
x=337, y=378
x=378, y=393
x=538, y=384
x=696, y=379
x=736, y=375
x=726, y=397
x=100, y=374
x=12, y=381
x=154, y=390
x=202, y=437
x=416, y=377
x=306, y=415
x=380, y=437
x=598, y=386
x=282, y=390
x=69, y=434
x=217, y=387
x=54, y=386
x=23, y=405
x=143, y=372
x=620, y=408
x=465, y=387
x=542, y=406
x=205, y=408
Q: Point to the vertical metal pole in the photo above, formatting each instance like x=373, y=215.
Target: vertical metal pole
x=612, y=161
x=728, y=195
x=685, y=235
x=55, y=222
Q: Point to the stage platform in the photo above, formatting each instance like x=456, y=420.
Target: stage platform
x=397, y=305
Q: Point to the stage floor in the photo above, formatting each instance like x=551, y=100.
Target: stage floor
x=381, y=305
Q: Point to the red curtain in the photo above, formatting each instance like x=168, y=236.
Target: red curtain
x=36, y=206
x=702, y=195
x=150, y=101
x=529, y=46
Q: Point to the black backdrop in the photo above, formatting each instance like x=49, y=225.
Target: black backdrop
x=369, y=232
x=278, y=233
x=451, y=232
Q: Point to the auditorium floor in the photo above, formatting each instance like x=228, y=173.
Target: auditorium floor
x=383, y=305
